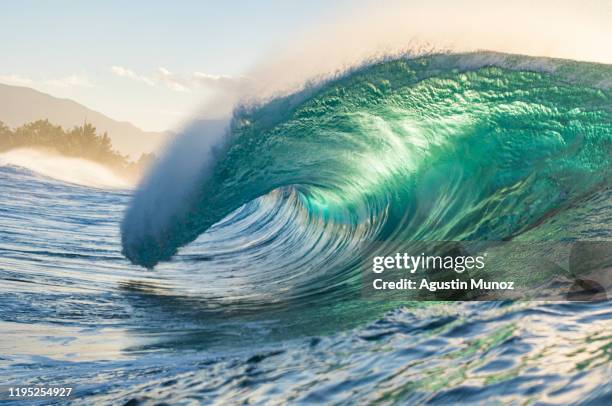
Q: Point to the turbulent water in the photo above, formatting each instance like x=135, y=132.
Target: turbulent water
x=252, y=293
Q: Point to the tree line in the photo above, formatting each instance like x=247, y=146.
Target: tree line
x=79, y=142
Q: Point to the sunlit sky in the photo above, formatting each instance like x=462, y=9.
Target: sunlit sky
x=112, y=55
x=155, y=63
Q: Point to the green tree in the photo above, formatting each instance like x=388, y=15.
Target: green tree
x=82, y=142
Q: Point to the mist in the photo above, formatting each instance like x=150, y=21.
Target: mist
x=71, y=170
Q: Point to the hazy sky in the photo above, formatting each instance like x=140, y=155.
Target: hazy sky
x=136, y=60
x=155, y=63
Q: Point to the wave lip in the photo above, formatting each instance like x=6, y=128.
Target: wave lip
x=160, y=202
x=442, y=147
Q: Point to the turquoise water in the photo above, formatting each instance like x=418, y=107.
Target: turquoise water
x=250, y=291
x=446, y=147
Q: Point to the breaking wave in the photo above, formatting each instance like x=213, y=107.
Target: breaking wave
x=480, y=146
x=72, y=170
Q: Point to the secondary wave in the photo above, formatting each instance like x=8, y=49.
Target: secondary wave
x=72, y=170
x=444, y=147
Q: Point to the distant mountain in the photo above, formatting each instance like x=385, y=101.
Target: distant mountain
x=20, y=105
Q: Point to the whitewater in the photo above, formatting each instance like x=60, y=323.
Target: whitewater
x=232, y=275
x=67, y=169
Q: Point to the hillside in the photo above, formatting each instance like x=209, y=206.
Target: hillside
x=20, y=105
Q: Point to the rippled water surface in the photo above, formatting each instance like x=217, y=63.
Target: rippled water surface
x=75, y=312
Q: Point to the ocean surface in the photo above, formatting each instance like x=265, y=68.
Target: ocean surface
x=236, y=280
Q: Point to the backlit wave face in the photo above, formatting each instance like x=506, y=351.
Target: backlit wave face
x=443, y=147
